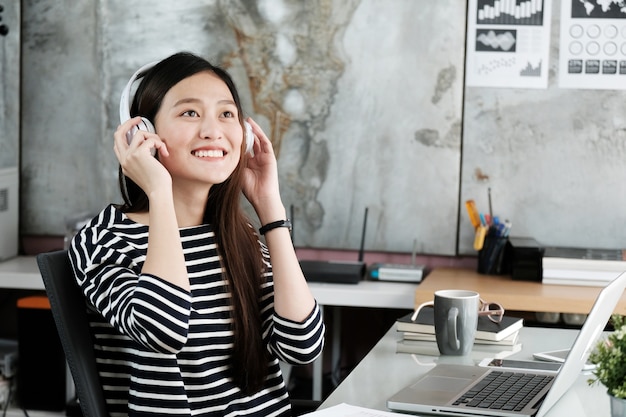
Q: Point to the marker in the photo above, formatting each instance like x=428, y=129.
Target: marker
x=479, y=238
x=470, y=205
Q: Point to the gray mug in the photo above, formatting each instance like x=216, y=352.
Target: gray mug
x=456, y=320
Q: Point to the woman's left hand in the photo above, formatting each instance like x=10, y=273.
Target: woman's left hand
x=260, y=185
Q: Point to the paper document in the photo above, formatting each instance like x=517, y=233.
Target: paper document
x=346, y=410
x=592, y=51
x=508, y=43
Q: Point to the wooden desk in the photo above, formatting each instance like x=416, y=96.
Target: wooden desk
x=513, y=295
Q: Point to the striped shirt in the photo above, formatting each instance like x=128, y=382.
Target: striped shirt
x=165, y=351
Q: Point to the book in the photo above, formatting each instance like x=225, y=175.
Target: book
x=586, y=253
x=428, y=337
x=581, y=274
x=584, y=259
x=579, y=277
x=583, y=264
x=487, y=329
x=478, y=352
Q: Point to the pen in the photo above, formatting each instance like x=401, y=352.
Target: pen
x=490, y=207
x=500, y=228
x=507, y=228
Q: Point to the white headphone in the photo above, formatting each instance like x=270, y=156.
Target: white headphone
x=145, y=124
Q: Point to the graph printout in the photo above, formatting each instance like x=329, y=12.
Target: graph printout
x=592, y=51
x=508, y=43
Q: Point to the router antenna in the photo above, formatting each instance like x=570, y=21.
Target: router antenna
x=363, y=237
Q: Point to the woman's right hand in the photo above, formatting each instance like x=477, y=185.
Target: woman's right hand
x=137, y=160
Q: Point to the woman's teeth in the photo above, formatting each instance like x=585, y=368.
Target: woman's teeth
x=209, y=154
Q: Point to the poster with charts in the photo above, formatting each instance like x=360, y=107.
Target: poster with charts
x=508, y=43
x=592, y=53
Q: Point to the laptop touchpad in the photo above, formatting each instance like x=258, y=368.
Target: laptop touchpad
x=441, y=383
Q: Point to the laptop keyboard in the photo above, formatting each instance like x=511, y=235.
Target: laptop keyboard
x=502, y=390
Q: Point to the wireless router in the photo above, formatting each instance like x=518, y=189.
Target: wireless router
x=338, y=272
x=398, y=272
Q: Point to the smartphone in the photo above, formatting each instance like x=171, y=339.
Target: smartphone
x=518, y=365
x=559, y=357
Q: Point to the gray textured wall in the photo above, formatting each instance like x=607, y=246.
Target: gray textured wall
x=63, y=146
x=363, y=100
x=10, y=88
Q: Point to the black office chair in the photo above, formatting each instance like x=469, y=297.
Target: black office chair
x=68, y=309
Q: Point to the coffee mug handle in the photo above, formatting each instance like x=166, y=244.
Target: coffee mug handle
x=453, y=339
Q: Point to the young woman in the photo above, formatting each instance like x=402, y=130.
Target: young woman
x=190, y=311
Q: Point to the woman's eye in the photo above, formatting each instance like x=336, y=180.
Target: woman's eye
x=228, y=114
x=190, y=113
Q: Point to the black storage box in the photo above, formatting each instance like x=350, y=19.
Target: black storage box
x=42, y=371
x=525, y=256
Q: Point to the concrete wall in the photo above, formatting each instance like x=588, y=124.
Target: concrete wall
x=364, y=102
x=10, y=88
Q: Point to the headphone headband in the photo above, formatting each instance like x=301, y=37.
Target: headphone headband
x=125, y=100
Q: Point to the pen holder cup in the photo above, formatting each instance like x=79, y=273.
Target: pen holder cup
x=491, y=258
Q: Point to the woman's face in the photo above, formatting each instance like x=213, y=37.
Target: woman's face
x=199, y=122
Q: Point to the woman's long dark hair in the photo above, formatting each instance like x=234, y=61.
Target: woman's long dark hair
x=236, y=242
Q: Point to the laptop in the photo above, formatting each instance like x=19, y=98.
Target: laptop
x=442, y=390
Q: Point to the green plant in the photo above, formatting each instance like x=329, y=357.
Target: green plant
x=609, y=356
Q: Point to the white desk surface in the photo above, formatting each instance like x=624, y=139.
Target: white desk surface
x=383, y=372
x=374, y=294
x=21, y=273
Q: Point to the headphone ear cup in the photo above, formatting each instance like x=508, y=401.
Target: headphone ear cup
x=249, y=137
x=145, y=125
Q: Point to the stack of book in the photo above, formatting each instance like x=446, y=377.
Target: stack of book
x=583, y=267
x=496, y=340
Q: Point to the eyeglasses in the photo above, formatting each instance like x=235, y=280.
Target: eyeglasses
x=493, y=311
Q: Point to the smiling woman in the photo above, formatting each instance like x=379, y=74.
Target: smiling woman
x=192, y=312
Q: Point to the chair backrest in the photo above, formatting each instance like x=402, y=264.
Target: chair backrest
x=68, y=309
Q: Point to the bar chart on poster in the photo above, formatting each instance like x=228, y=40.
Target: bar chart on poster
x=508, y=43
x=502, y=12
